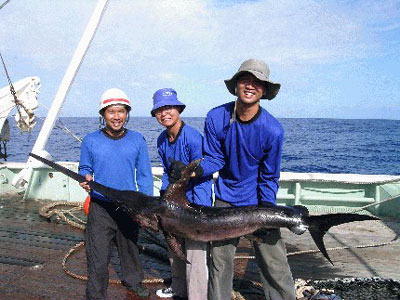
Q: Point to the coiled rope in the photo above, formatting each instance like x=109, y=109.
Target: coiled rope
x=77, y=248
x=68, y=216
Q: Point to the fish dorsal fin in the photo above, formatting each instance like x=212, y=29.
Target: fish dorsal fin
x=176, y=192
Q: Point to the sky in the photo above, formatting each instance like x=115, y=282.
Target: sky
x=333, y=58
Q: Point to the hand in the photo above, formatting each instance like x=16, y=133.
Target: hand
x=175, y=170
x=85, y=184
x=197, y=173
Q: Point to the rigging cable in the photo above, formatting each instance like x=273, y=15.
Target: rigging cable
x=18, y=104
x=4, y=4
x=12, y=90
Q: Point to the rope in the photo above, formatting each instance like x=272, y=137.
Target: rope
x=396, y=240
x=48, y=211
x=372, y=204
x=68, y=131
x=12, y=90
x=77, y=248
x=397, y=179
x=4, y=4
x=62, y=126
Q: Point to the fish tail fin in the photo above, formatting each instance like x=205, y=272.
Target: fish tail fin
x=319, y=225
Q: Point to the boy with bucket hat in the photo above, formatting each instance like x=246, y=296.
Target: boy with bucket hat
x=118, y=158
x=178, y=145
x=244, y=143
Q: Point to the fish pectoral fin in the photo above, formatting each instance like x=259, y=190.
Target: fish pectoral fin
x=175, y=246
x=147, y=222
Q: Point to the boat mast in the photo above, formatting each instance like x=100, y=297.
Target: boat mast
x=24, y=176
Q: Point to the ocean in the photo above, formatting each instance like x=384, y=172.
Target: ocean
x=311, y=145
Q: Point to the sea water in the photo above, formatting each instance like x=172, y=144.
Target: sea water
x=311, y=145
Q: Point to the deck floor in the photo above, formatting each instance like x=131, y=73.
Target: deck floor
x=32, y=250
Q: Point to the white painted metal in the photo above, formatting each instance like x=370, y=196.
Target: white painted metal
x=23, y=177
x=26, y=91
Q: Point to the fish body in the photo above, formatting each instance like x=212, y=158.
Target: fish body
x=173, y=214
x=214, y=224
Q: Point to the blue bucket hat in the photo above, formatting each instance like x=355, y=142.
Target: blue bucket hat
x=164, y=97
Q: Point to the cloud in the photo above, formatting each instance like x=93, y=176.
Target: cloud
x=171, y=32
x=193, y=45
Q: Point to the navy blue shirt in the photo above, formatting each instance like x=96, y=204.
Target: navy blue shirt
x=246, y=154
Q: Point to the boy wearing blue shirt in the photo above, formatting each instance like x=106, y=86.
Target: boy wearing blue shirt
x=118, y=158
x=181, y=144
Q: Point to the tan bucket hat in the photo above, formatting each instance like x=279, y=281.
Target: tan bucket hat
x=261, y=71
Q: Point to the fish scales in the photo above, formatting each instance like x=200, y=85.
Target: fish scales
x=212, y=224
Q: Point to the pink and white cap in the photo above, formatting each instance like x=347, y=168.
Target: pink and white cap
x=112, y=97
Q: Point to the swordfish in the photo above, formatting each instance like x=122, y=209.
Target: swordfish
x=173, y=214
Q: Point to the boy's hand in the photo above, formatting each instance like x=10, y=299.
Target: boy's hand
x=175, y=170
x=85, y=184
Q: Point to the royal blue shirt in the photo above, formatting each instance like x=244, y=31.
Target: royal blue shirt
x=120, y=163
x=187, y=146
x=246, y=154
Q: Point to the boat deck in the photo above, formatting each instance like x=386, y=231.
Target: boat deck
x=32, y=249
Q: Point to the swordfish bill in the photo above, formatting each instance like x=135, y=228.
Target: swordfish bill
x=138, y=205
x=111, y=193
x=177, y=218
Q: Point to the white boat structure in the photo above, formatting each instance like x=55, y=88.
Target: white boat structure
x=376, y=194
x=22, y=98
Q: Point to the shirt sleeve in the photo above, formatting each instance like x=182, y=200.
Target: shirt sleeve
x=202, y=188
x=144, y=177
x=270, y=170
x=164, y=178
x=213, y=150
x=85, y=160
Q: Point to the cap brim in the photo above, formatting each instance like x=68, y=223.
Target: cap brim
x=182, y=107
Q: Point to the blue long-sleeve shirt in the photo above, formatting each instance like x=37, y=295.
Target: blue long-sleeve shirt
x=187, y=147
x=246, y=154
x=120, y=163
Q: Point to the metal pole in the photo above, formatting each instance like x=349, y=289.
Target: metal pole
x=24, y=176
